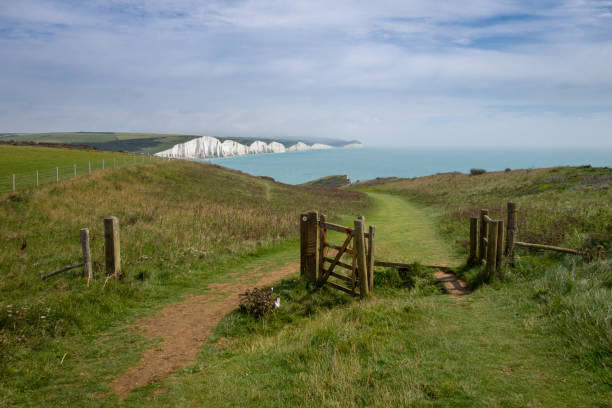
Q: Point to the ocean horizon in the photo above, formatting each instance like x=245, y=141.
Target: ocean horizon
x=371, y=162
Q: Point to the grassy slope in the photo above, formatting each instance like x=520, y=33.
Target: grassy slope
x=335, y=181
x=24, y=161
x=404, y=347
x=183, y=225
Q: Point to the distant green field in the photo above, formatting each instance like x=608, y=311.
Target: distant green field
x=128, y=142
x=24, y=161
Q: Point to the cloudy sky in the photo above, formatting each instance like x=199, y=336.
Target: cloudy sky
x=410, y=73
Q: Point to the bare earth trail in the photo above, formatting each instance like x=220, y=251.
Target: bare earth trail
x=185, y=326
x=405, y=232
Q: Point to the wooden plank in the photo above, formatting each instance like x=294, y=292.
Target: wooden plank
x=308, y=245
x=491, y=249
x=341, y=288
x=360, y=256
x=511, y=230
x=322, y=246
x=482, y=234
x=370, y=257
x=112, y=247
x=339, y=248
x=339, y=255
x=500, y=243
x=67, y=268
x=87, y=271
x=400, y=265
x=548, y=248
x=344, y=278
x=335, y=227
x=339, y=263
x=473, y=240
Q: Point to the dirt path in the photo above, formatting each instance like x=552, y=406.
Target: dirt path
x=185, y=326
x=454, y=285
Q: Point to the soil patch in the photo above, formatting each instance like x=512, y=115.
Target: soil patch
x=185, y=326
x=453, y=285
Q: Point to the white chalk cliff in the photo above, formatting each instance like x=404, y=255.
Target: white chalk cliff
x=209, y=147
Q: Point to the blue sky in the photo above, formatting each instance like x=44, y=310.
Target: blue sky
x=410, y=73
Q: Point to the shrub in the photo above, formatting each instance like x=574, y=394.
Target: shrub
x=258, y=302
x=508, y=169
x=476, y=172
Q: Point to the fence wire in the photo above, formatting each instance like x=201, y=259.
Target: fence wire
x=37, y=178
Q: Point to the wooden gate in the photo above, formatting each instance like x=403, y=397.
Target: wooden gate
x=338, y=266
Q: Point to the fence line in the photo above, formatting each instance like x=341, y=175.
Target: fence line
x=36, y=178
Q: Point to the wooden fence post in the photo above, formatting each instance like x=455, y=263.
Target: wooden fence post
x=491, y=248
x=473, y=240
x=511, y=231
x=361, y=256
x=500, y=243
x=86, y=254
x=482, y=244
x=13, y=179
x=114, y=163
x=371, y=248
x=89, y=166
x=112, y=247
x=102, y=164
x=74, y=167
x=36, y=178
x=57, y=174
x=309, y=224
x=322, y=247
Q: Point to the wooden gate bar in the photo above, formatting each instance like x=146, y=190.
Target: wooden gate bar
x=335, y=227
x=482, y=235
x=339, y=263
x=371, y=246
x=338, y=256
x=309, y=224
x=342, y=288
x=360, y=256
x=473, y=240
x=491, y=248
x=323, y=245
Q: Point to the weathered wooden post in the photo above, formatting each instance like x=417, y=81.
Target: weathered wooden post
x=482, y=243
x=102, y=164
x=74, y=167
x=322, y=246
x=473, y=240
x=36, y=178
x=500, y=243
x=114, y=163
x=13, y=179
x=371, y=248
x=87, y=271
x=360, y=255
x=57, y=174
x=309, y=224
x=112, y=247
x=491, y=248
x=511, y=231
x=89, y=167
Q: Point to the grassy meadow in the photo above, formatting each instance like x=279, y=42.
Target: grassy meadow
x=182, y=224
x=24, y=161
x=540, y=334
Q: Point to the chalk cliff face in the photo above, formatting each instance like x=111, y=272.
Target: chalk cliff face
x=209, y=147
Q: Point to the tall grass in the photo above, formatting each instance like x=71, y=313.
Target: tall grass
x=180, y=223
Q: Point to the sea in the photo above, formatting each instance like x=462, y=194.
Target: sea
x=370, y=162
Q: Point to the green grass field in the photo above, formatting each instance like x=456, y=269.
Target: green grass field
x=24, y=161
x=539, y=335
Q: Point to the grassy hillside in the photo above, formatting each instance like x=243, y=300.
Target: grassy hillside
x=557, y=206
x=147, y=143
x=538, y=335
x=335, y=181
x=24, y=161
x=182, y=225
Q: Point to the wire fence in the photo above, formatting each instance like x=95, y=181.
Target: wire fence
x=36, y=178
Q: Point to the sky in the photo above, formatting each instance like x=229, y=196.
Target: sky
x=389, y=73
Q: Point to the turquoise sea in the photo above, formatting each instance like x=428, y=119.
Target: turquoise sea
x=367, y=163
